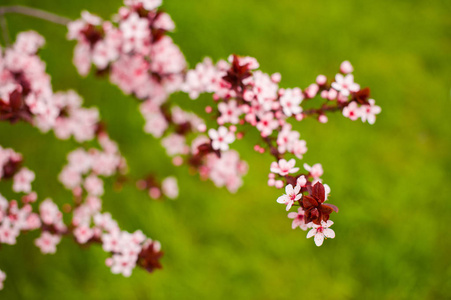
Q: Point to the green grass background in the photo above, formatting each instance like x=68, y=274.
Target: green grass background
x=391, y=180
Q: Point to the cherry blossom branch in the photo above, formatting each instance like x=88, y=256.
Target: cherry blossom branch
x=34, y=12
x=141, y=59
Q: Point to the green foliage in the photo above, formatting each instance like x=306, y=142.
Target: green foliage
x=390, y=180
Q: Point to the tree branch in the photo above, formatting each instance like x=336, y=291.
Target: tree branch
x=34, y=12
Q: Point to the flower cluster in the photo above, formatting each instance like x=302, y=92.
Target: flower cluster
x=245, y=95
x=88, y=223
x=85, y=167
x=134, y=48
x=25, y=89
x=142, y=60
x=26, y=94
x=10, y=167
x=75, y=120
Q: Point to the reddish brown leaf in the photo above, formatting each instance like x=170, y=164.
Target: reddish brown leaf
x=333, y=207
x=318, y=192
x=326, y=209
x=309, y=202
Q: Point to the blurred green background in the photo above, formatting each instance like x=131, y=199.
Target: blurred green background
x=391, y=180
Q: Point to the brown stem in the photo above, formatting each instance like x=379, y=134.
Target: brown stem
x=324, y=108
x=34, y=12
x=273, y=150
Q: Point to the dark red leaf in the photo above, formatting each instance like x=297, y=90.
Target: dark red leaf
x=318, y=192
x=333, y=207
x=326, y=209
x=309, y=202
x=362, y=96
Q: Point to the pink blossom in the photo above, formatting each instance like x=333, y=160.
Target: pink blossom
x=136, y=32
x=83, y=234
x=82, y=58
x=301, y=181
x=70, y=178
x=291, y=195
x=298, y=219
x=284, y=167
x=346, y=67
x=311, y=90
x=321, y=231
x=345, y=84
x=111, y=242
x=299, y=148
x=226, y=170
x=103, y=54
x=28, y=42
x=321, y=80
x=22, y=180
x=156, y=124
x=323, y=119
x=369, y=112
x=80, y=160
x=170, y=188
x=94, y=185
x=221, y=138
x=164, y=21
x=267, y=124
x=352, y=111
x=290, y=101
x=316, y=171
x=47, y=242
x=175, y=144
x=123, y=264
x=8, y=232
x=230, y=112
x=49, y=212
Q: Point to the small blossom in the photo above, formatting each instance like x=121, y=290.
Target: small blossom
x=47, y=242
x=221, y=138
x=170, y=188
x=22, y=181
x=345, y=84
x=284, y=167
x=267, y=124
x=290, y=101
x=298, y=219
x=346, y=67
x=321, y=231
x=352, y=111
x=230, y=112
x=316, y=171
x=301, y=181
x=94, y=185
x=292, y=194
x=83, y=234
x=369, y=112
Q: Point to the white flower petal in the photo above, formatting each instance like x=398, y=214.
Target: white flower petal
x=319, y=239
x=283, y=199
x=311, y=233
x=329, y=233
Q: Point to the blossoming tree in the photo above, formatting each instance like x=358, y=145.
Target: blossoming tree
x=136, y=53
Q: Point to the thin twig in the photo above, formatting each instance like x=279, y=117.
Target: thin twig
x=4, y=27
x=34, y=12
